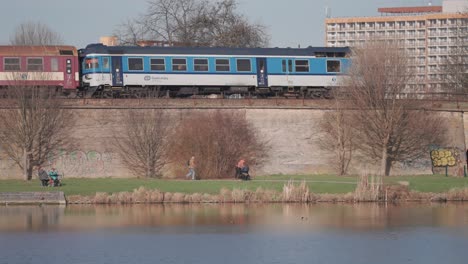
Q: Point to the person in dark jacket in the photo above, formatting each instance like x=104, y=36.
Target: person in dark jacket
x=43, y=176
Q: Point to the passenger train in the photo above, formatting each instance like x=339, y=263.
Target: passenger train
x=123, y=71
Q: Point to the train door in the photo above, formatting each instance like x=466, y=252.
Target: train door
x=262, y=72
x=287, y=68
x=117, y=74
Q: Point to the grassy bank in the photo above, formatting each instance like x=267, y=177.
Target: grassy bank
x=319, y=184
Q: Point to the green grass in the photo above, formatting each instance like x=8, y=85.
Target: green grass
x=317, y=184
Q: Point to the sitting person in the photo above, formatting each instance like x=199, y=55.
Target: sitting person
x=239, y=166
x=244, y=172
x=54, y=178
x=43, y=176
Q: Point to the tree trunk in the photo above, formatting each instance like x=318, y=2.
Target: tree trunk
x=27, y=166
x=384, y=161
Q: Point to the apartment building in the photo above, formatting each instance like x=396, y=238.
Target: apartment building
x=431, y=35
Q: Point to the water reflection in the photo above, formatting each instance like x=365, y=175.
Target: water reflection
x=269, y=217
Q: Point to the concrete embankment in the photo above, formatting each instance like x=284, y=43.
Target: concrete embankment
x=20, y=198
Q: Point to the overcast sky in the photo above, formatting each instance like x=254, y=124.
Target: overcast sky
x=290, y=22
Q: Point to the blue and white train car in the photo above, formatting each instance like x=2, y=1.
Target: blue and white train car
x=185, y=71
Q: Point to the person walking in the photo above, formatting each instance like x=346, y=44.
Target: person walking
x=191, y=165
x=43, y=176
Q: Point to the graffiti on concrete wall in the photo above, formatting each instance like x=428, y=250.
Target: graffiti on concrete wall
x=420, y=164
x=80, y=163
x=445, y=157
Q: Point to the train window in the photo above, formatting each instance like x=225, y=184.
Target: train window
x=302, y=66
x=54, y=65
x=222, y=65
x=290, y=66
x=283, y=64
x=11, y=64
x=135, y=64
x=200, y=64
x=179, y=64
x=157, y=65
x=66, y=52
x=105, y=62
x=243, y=65
x=333, y=66
x=91, y=63
x=34, y=64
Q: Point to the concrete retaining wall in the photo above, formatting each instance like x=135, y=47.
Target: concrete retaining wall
x=292, y=135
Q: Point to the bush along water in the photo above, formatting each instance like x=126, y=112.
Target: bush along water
x=368, y=190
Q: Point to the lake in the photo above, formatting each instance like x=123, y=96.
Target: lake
x=235, y=233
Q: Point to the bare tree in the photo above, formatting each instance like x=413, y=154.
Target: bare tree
x=35, y=33
x=33, y=127
x=337, y=137
x=217, y=140
x=130, y=32
x=142, y=143
x=390, y=129
x=194, y=23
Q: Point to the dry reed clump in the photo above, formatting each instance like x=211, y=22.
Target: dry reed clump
x=140, y=195
x=178, y=198
x=195, y=198
x=419, y=196
x=156, y=196
x=368, y=188
x=225, y=195
x=330, y=198
x=79, y=199
x=239, y=195
x=396, y=193
x=208, y=198
x=101, y=198
x=144, y=195
x=458, y=194
x=439, y=197
x=266, y=196
x=121, y=198
x=293, y=193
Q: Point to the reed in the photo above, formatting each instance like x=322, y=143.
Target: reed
x=458, y=194
x=368, y=188
x=295, y=193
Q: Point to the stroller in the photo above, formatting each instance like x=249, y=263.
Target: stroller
x=54, y=179
x=244, y=173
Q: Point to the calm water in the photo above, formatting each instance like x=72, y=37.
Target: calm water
x=415, y=233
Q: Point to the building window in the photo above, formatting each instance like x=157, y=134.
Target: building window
x=157, y=65
x=179, y=64
x=243, y=65
x=333, y=66
x=302, y=66
x=200, y=64
x=54, y=64
x=222, y=65
x=135, y=64
x=35, y=64
x=11, y=64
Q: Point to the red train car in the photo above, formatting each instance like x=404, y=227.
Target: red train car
x=50, y=66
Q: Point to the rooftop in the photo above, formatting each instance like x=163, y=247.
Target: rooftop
x=409, y=10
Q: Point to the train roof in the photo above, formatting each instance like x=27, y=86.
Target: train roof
x=309, y=51
x=38, y=51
